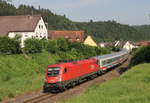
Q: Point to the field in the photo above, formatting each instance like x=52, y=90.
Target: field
x=23, y=73
x=132, y=87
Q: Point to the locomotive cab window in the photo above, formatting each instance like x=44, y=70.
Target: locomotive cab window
x=53, y=72
x=65, y=70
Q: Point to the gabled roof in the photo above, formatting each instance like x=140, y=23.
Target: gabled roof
x=68, y=34
x=89, y=41
x=120, y=43
x=18, y=24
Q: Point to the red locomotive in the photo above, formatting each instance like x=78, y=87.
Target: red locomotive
x=63, y=75
x=60, y=76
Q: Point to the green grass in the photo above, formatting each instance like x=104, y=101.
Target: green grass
x=132, y=87
x=23, y=73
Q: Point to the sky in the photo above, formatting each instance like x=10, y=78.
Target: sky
x=132, y=12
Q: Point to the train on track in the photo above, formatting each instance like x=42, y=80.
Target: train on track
x=68, y=74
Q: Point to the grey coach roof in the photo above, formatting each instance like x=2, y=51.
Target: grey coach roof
x=111, y=55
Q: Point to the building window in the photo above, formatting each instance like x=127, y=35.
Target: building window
x=66, y=37
x=39, y=26
x=77, y=38
x=26, y=36
x=44, y=37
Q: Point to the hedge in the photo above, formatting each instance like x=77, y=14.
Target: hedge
x=33, y=46
x=142, y=55
x=9, y=46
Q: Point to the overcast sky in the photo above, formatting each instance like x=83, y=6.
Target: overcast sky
x=133, y=12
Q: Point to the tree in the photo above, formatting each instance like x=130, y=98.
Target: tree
x=9, y=46
x=141, y=56
x=33, y=46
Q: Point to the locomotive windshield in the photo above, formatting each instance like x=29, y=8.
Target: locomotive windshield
x=53, y=71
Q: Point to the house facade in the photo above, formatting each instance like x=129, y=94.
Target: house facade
x=102, y=45
x=128, y=46
x=24, y=26
x=90, y=41
x=72, y=36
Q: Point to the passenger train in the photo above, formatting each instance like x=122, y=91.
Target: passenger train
x=61, y=76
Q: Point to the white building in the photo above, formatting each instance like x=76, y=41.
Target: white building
x=128, y=46
x=102, y=45
x=25, y=26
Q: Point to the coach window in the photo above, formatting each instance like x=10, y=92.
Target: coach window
x=65, y=70
x=104, y=62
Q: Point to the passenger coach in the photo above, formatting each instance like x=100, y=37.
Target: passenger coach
x=111, y=60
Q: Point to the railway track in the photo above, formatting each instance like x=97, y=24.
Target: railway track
x=40, y=98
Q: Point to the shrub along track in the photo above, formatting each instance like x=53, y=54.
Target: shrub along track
x=39, y=97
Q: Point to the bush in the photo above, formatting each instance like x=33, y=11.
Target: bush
x=52, y=46
x=86, y=51
x=63, y=48
x=44, y=43
x=33, y=46
x=9, y=46
x=60, y=44
x=142, y=55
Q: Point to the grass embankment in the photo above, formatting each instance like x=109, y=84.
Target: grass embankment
x=23, y=73
x=131, y=87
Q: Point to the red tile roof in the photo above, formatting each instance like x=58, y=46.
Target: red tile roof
x=17, y=24
x=72, y=36
x=142, y=43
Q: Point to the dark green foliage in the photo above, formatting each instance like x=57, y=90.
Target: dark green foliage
x=33, y=46
x=87, y=51
x=115, y=49
x=7, y=9
x=52, y=46
x=142, y=55
x=100, y=51
x=62, y=44
x=73, y=50
x=101, y=31
x=144, y=29
x=9, y=46
x=110, y=31
x=44, y=43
